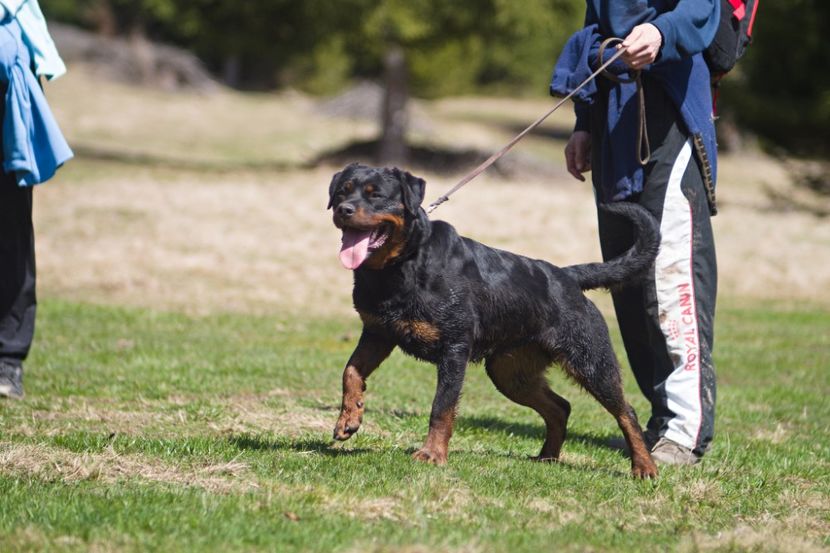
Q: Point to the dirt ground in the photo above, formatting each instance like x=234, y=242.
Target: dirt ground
x=200, y=223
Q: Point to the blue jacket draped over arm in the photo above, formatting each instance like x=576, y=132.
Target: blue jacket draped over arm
x=33, y=145
x=687, y=27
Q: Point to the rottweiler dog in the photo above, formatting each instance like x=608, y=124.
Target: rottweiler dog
x=450, y=300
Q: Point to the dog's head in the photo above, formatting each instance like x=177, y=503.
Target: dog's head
x=376, y=208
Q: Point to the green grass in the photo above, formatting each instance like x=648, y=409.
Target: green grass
x=144, y=430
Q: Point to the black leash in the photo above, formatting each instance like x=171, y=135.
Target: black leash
x=601, y=70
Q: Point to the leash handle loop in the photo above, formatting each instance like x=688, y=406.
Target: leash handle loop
x=643, y=146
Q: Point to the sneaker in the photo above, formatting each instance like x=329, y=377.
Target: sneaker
x=11, y=381
x=667, y=452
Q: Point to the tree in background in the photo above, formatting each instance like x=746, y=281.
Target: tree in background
x=434, y=48
x=429, y=48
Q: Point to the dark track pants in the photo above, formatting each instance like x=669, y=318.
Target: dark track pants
x=667, y=321
x=17, y=271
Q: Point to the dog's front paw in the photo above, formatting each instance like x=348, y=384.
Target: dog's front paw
x=644, y=470
x=346, y=426
x=428, y=456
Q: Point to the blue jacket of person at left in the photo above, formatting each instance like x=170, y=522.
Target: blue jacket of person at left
x=33, y=145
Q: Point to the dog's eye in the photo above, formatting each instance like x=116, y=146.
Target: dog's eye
x=376, y=196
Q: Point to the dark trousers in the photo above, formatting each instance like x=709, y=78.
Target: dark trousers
x=17, y=271
x=667, y=321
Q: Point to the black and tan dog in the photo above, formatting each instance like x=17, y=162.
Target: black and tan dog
x=450, y=300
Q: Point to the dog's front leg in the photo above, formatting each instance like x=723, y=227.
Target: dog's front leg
x=370, y=352
x=451, y=371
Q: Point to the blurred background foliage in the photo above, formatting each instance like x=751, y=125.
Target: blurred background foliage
x=779, y=92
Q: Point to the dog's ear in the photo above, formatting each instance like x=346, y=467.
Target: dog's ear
x=333, y=188
x=412, y=190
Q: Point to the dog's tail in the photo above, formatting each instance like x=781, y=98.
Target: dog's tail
x=630, y=266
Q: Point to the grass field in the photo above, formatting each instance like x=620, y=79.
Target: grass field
x=159, y=431
x=194, y=322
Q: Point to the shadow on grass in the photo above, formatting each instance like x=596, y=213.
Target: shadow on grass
x=304, y=445
x=328, y=449
x=420, y=157
x=492, y=424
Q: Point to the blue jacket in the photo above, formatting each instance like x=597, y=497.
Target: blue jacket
x=687, y=26
x=33, y=146
x=45, y=57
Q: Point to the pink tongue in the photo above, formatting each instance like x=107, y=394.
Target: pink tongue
x=355, y=248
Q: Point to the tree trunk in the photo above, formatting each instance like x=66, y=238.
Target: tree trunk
x=143, y=57
x=103, y=17
x=232, y=70
x=394, y=116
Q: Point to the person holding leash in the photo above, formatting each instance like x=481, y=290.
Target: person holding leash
x=647, y=135
x=32, y=150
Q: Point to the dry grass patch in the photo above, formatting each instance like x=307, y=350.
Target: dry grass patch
x=223, y=128
x=437, y=497
x=270, y=412
x=264, y=243
x=771, y=536
x=199, y=241
x=558, y=512
x=776, y=435
x=701, y=489
x=286, y=420
x=31, y=538
x=82, y=413
x=379, y=548
x=110, y=467
x=801, y=526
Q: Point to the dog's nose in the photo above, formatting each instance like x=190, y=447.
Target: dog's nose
x=345, y=210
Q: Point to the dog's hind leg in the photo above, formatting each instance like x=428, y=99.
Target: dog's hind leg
x=370, y=352
x=590, y=360
x=520, y=375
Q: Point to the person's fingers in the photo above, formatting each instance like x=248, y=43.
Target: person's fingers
x=639, y=60
x=576, y=174
x=636, y=48
x=577, y=154
x=646, y=57
x=633, y=38
x=570, y=161
x=641, y=46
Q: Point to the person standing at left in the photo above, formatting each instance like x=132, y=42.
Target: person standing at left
x=32, y=150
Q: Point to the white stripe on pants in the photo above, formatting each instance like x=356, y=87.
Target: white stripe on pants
x=677, y=310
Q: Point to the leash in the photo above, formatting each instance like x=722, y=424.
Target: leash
x=643, y=147
x=603, y=69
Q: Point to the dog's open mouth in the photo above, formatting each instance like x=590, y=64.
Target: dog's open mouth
x=358, y=244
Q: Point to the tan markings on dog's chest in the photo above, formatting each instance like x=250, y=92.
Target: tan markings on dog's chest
x=372, y=321
x=422, y=331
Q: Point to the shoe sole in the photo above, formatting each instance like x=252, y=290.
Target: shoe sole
x=8, y=391
x=674, y=460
